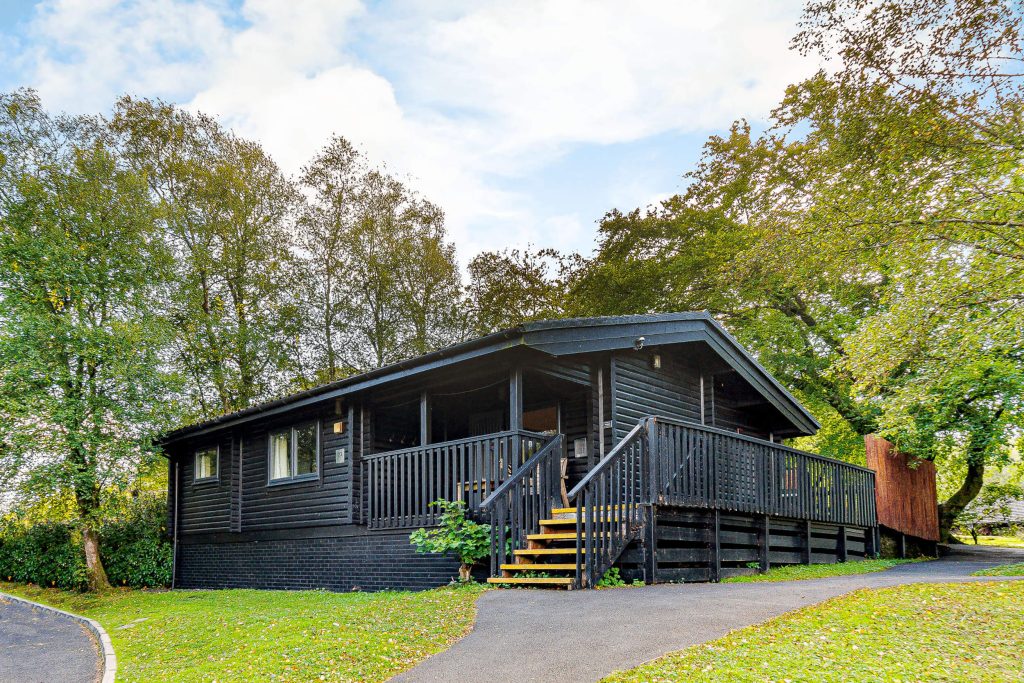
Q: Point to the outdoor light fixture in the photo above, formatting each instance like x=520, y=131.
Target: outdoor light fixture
x=339, y=427
x=638, y=343
x=656, y=361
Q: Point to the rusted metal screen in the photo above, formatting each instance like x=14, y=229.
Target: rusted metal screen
x=905, y=495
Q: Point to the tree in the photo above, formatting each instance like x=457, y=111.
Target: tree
x=991, y=505
x=83, y=390
x=226, y=210
x=510, y=287
x=382, y=279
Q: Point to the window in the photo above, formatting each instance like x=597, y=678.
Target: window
x=206, y=464
x=295, y=453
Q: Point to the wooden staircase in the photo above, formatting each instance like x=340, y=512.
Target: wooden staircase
x=549, y=560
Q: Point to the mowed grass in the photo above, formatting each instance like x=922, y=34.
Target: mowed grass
x=1015, y=569
x=795, y=572
x=923, y=632
x=247, y=635
x=998, y=541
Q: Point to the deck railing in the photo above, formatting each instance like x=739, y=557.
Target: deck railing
x=402, y=484
x=665, y=462
x=608, y=505
x=519, y=504
x=700, y=466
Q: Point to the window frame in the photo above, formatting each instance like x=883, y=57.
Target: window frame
x=293, y=477
x=215, y=477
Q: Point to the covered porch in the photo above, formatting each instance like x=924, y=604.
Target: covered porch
x=461, y=435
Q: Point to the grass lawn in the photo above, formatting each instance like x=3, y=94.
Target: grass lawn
x=793, y=572
x=246, y=635
x=924, y=632
x=1000, y=541
x=1015, y=569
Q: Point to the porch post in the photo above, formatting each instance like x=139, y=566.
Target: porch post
x=515, y=411
x=515, y=399
x=424, y=419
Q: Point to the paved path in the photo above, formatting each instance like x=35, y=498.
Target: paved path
x=39, y=646
x=581, y=636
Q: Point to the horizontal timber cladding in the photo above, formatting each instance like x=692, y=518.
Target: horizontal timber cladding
x=639, y=389
x=353, y=559
x=205, y=505
x=692, y=545
x=324, y=500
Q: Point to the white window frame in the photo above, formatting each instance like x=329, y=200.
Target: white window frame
x=293, y=460
x=216, y=464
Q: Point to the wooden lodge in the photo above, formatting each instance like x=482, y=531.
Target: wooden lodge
x=648, y=443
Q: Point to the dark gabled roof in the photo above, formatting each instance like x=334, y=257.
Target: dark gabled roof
x=558, y=338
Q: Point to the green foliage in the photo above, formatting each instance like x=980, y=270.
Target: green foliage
x=795, y=572
x=613, y=579
x=134, y=548
x=237, y=636
x=907, y=633
x=469, y=541
x=1015, y=569
x=991, y=507
x=44, y=554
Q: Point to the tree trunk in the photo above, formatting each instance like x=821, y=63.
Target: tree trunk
x=968, y=491
x=95, y=573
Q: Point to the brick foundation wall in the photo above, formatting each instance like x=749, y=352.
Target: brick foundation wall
x=369, y=561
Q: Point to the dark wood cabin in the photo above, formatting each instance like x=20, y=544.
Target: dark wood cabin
x=649, y=443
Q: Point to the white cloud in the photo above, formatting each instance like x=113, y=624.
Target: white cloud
x=465, y=98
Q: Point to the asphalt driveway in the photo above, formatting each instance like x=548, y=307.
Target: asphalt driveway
x=581, y=636
x=39, y=646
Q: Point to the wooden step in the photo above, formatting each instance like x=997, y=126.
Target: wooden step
x=556, y=536
x=533, y=567
x=523, y=580
x=572, y=521
x=548, y=551
x=572, y=511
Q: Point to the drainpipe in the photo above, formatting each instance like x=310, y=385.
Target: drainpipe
x=174, y=547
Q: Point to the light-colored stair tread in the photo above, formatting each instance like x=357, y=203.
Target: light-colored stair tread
x=533, y=567
x=549, y=551
x=572, y=521
x=552, y=580
x=570, y=511
x=557, y=536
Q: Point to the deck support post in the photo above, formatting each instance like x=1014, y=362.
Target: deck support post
x=903, y=546
x=650, y=537
x=515, y=410
x=716, y=546
x=763, y=542
x=424, y=419
x=807, y=542
x=841, y=542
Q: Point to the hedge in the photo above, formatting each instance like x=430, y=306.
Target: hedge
x=134, y=548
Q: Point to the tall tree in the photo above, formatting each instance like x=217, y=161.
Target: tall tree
x=227, y=212
x=382, y=278
x=507, y=288
x=82, y=387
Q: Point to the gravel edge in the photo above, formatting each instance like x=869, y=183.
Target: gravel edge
x=109, y=659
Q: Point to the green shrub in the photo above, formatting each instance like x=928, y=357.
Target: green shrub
x=48, y=554
x=133, y=546
x=455, y=534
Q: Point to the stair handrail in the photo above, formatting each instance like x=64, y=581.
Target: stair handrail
x=608, y=501
x=516, y=508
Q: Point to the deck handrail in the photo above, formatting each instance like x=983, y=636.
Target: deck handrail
x=400, y=485
x=608, y=505
x=517, y=506
x=605, y=462
x=755, y=440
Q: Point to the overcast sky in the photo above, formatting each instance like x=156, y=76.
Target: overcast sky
x=525, y=121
